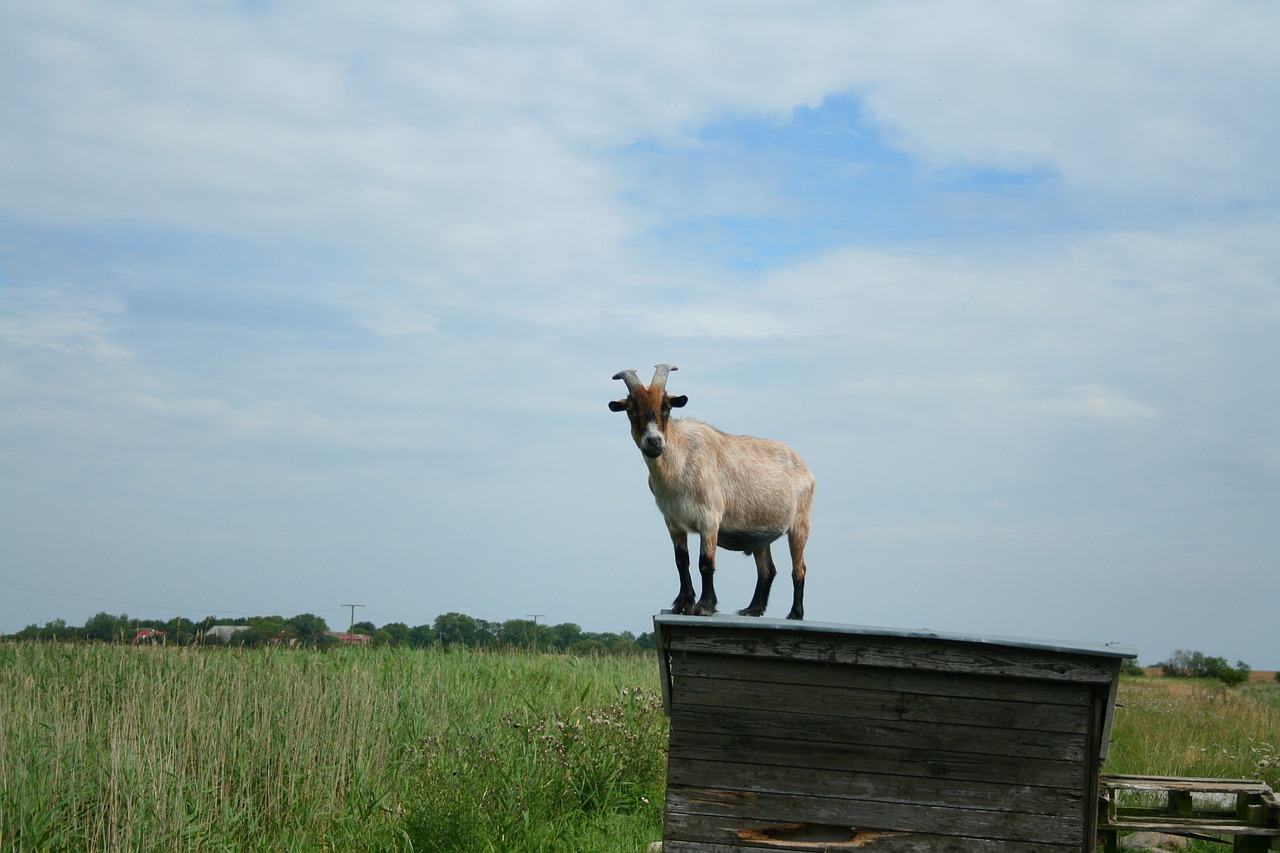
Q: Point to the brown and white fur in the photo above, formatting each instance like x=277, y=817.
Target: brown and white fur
x=734, y=491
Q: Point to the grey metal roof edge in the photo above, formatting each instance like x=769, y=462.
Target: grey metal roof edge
x=1118, y=650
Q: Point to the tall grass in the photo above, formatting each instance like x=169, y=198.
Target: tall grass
x=538, y=781
x=1197, y=727
x=140, y=749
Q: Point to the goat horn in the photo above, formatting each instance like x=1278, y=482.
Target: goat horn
x=660, y=372
x=629, y=377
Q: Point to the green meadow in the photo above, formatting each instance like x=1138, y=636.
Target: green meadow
x=113, y=748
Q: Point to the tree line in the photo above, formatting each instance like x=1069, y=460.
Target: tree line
x=1191, y=664
x=307, y=629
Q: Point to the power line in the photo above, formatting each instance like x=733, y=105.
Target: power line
x=353, y=615
x=535, y=617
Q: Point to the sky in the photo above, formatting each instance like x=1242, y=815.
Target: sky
x=312, y=304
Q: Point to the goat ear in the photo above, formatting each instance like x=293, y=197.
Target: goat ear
x=677, y=402
x=617, y=405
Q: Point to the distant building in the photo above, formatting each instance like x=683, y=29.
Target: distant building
x=351, y=639
x=283, y=640
x=223, y=633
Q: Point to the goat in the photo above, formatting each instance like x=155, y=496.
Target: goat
x=735, y=491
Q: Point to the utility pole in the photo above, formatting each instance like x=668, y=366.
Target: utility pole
x=535, y=617
x=353, y=614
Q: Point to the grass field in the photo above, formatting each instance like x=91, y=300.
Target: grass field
x=109, y=748
x=1197, y=727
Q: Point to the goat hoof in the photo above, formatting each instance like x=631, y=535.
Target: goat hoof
x=704, y=610
x=797, y=615
x=751, y=611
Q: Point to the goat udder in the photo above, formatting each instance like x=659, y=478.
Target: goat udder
x=748, y=541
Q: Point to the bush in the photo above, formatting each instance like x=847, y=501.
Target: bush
x=1238, y=674
x=1132, y=667
x=1183, y=664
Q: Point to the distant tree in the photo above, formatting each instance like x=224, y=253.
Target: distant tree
x=392, y=634
x=108, y=628
x=324, y=642
x=422, y=636
x=179, y=631
x=588, y=648
x=623, y=643
x=518, y=633
x=457, y=629
x=448, y=629
x=561, y=637
x=55, y=629
x=1231, y=675
x=1184, y=664
x=309, y=627
x=263, y=630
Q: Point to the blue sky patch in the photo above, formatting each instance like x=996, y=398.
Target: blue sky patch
x=759, y=192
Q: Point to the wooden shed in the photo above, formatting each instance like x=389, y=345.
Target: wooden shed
x=807, y=736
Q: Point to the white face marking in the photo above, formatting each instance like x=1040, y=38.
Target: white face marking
x=652, y=437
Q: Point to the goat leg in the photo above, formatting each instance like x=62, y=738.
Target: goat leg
x=684, y=601
x=706, y=605
x=796, y=541
x=765, y=572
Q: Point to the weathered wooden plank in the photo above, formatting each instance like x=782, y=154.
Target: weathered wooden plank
x=868, y=704
x=741, y=836
x=693, y=808
x=964, y=685
x=856, y=783
x=664, y=672
x=665, y=622
x=1184, y=783
x=906, y=653
x=938, y=766
x=1192, y=825
x=690, y=722
x=1106, y=707
x=1130, y=814
x=872, y=841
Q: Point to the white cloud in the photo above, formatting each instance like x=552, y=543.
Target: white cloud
x=67, y=321
x=412, y=121
x=1122, y=101
x=1099, y=403
x=713, y=317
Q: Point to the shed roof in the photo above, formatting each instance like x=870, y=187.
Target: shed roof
x=1116, y=650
